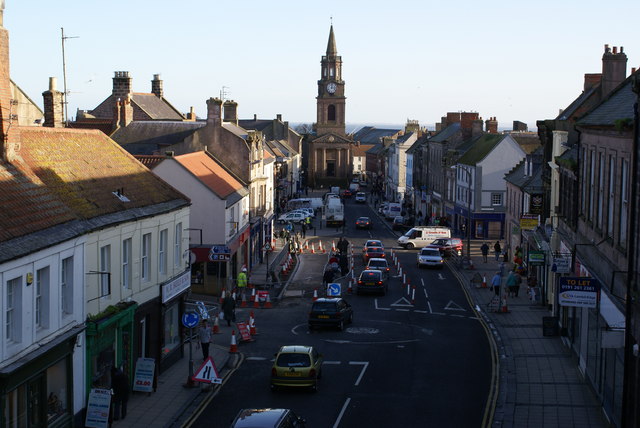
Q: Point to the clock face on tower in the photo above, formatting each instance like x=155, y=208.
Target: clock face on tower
x=331, y=87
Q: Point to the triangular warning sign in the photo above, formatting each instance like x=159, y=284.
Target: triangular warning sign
x=207, y=372
x=402, y=302
x=451, y=306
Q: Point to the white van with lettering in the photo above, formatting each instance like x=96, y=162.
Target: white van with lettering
x=421, y=236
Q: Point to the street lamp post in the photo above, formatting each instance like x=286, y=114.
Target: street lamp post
x=468, y=228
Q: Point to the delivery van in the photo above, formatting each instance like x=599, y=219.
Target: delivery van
x=421, y=236
x=392, y=210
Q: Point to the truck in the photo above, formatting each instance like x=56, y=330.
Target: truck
x=334, y=212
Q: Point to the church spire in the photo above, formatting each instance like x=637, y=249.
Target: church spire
x=331, y=46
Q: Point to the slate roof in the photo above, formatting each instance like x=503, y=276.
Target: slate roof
x=213, y=176
x=372, y=135
x=361, y=150
x=376, y=149
x=525, y=182
x=446, y=133
x=480, y=149
x=150, y=137
x=577, y=103
x=528, y=141
x=62, y=186
x=417, y=144
x=617, y=105
x=154, y=107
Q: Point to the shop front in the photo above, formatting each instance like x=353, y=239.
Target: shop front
x=255, y=242
x=38, y=389
x=173, y=295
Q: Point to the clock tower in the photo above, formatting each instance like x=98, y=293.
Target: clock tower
x=331, y=100
x=329, y=152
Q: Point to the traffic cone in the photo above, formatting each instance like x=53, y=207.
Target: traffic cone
x=313, y=248
x=306, y=245
x=252, y=325
x=243, y=303
x=267, y=304
x=315, y=294
x=233, y=349
x=504, y=308
x=216, y=326
x=256, y=302
x=321, y=248
x=349, y=289
x=484, y=282
x=413, y=295
x=333, y=246
x=222, y=297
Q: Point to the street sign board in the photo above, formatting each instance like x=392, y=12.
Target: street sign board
x=143, y=378
x=580, y=292
x=207, y=373
x=219, y=253
x=536, y=258
x=267, y=247
x=190, y=319
x=334, y=289
x=561, y=263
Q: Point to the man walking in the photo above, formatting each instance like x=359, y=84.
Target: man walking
x=485, y=251
x=498, y=249
x=120, y=387
x=204, y=333
x=496, y=281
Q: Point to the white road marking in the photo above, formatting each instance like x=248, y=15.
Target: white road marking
x=440, y=277
x=255, y=359
x=422, y=281
x=421, y=312
x=344, y=407
x=438, y=313
x=459, y=316
x=332, y=362
x=365, y=364
x=402, y=310
x=429, y=304
x=452, y=306
x=400, y=302
x=425, y=293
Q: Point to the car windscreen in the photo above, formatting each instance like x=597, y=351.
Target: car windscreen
x=293, y=360
x=323, y=307
x=427, y=252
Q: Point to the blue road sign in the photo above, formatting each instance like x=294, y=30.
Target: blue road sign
x=190, y=319
x=334, y=289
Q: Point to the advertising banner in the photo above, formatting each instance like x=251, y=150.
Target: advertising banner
x=582, y=292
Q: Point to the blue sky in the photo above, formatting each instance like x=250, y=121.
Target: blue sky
x=402, y=59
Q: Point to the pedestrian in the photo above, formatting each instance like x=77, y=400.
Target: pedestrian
x=516, y=288
x=328, y=276
x=242, y=282
x=512, y=279
x=304, y=230
x=120, y=386
x=204, y=335
x=497, y=249
x=229, y=310
x=485, y=251
x=495, y=283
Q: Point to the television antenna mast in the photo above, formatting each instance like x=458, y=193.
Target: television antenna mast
x=224, y=93
x=64, y=76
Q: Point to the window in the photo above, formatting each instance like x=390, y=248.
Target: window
x=611, y=204
x=496, y=199
x=145, y=262
x=162, y=252
x=41, y=291
x=331, y=71
x=12, y=314
x=599, y=207
x=171, y=336
x=592, y=186
x=177, y=244
x=624, y=201
x=66, y=286
x=331, y=112
x=105, y=270
x=126, y=263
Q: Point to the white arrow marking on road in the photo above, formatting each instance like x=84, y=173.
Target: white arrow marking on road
x=344, y=407
x=400, y=301
x=451, y=306
x=365, y=364
x=440, y=277
x=375, y=301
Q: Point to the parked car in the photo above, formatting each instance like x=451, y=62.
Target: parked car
x=346, y=193
x=268, y=418
x=361, y=197
x=447, y=246
x=307, y=211
x=379, y=264
x=398, y=223
x=372, y=243
x=373, y=281
x=363, y=223
x=430, y=257
x=363, y=183
x=383, y=207
x=373, y=252
x=296, y=366
x=332, y=312
x=292, y=216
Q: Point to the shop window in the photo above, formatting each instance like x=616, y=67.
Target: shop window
x=171, y=337
x=57, y=388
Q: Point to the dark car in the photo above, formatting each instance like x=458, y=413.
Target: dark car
x=346, y=193
x=379, y=264
x=267, y=418
x=363, y=223
x=398, y=223
x=334, y=312
x=372, y=281
x=371, y=253
x=447, y=246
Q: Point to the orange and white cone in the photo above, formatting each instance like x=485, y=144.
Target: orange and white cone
x=333, y=246
x=349, y=289
x=315, y=294
x=484, y=282
x=321, y=248
x=216, y=326
x=313, y=248
x=243, y=303
x=233, y=348
x=267, y=304
x=252, y=325
x=222, y=297
x=256, y=302
x=306, y=245
x=504, y=308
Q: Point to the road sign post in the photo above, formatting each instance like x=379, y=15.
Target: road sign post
x=190, y=320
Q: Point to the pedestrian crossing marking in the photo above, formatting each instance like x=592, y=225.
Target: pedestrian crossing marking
x=452, y=306
x=208, y=372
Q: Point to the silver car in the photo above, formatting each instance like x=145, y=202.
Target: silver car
x=430, y=257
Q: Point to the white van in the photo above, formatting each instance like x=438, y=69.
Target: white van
x=393, y=210
x=421, y=236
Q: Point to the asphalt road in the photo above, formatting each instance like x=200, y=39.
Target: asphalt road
x=416, y=357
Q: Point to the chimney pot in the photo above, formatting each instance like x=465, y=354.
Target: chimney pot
x=53, y=83
x=615, y=49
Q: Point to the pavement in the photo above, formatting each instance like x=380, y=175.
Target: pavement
x=536, y=384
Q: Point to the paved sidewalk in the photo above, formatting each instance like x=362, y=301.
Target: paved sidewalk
x=539, y=381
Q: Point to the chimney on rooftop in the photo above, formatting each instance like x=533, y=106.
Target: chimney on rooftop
x=214, y=111
x=614, y=69
x=9, y=139
x=230, y=111
x=123, y=112
x=121, y=85
x=156, y=86
x=191, y=116
x=476, y=127
x=491, y=125
x=53, y=100
x=591, y=80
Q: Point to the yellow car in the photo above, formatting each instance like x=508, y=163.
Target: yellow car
x=296, y=366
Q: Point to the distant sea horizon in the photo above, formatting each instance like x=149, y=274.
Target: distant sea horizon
x=353, y=127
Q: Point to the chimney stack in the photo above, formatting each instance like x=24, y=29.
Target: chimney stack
x=192, y=114
x=476, y=127
x=614, y=69
x=591, y=80
x=123, y=112
x=9, y=140
x=214, y=111
x=156, y=86
x=231, y=111
x=491, y=125
x=121, y=85
x=53, y=105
